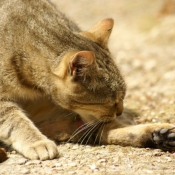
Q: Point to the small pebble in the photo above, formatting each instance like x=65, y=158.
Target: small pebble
x=13, y=152
x=57, y=164
x=33, y=162
x=72, y=172
x=25, y=171
x=22, y=161
x=149, y=171
x=73, y=164
x=93, y=167
x=101, y=160
x=75, y=147
x=168, y=159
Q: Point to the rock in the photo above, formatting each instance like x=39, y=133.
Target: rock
x=25, y=171
x=22, y=161
x=13, y=152
x=101, y=160
x=33, y=162
x=73, y=164
x=93, y=167
x=57, y=164
x=75, y=147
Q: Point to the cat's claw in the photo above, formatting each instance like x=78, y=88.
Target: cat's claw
x=165, y=139
x=42, y=150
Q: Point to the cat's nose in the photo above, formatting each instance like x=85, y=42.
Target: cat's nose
x=119, y=109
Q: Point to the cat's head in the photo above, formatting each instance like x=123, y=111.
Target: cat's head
x=89, y=82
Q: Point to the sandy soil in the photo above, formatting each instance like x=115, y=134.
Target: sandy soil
x=142, y=44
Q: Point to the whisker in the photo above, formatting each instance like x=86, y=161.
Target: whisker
x=88, y=138
x=84, y=125
x=69, y=114
x=121, y=99
x=93, y=124
x=104, y=124
x=89, y=131
x=97, y=134
x=80, y=129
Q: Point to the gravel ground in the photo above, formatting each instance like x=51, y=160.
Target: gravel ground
x=143, y=44
x=100, y=160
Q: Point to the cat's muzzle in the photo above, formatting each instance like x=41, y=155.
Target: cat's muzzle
x=107, y=118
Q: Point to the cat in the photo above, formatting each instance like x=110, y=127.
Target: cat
x=55, y=78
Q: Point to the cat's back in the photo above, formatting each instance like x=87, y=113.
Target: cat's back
x=31, y=34
x=18, y=11
x=27, y=25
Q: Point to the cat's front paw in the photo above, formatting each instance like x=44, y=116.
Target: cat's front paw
x=42, y=150
x=165, y=139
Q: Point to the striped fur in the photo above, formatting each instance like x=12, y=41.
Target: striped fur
x=38, y=44
x=54, y=74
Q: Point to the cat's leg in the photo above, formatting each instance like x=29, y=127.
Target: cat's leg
x=146, y=135
x=19, y=132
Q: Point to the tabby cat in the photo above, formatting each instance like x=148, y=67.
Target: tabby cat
x=57, y=78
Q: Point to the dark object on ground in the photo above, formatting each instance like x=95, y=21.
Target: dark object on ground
x=3, y=155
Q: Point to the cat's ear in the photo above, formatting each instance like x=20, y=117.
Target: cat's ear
x=100, y=33
x=80, y=62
